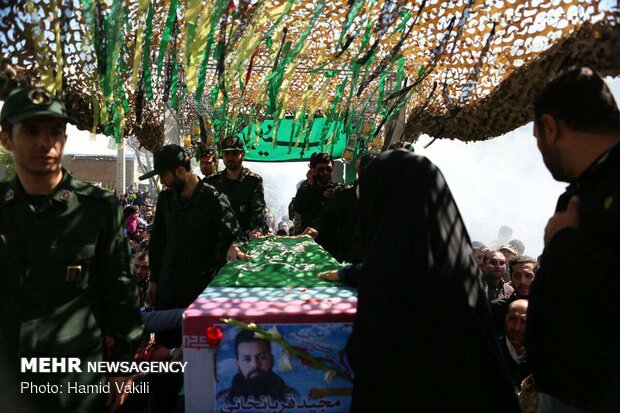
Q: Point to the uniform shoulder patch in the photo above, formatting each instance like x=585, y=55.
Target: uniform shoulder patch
x=92, y=191
x=211, y=189
x=253, y=175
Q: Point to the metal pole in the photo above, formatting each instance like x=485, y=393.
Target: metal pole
x=120, y=170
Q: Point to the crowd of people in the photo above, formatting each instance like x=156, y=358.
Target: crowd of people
x=474, y=321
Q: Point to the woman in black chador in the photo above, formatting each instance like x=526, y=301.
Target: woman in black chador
x=422, y=338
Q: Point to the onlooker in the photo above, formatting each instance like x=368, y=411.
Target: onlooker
x=510, y=252
x=479, y=254
x=519, y=245
x=141, y=271
x=494, y=270
x=522, y=273
x=130, y=223
x=208, y=160
x=515, y=322
x=573, y=336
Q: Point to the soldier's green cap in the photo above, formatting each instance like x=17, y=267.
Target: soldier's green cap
x=232, y=143
x=168, y=158
x=31, y=102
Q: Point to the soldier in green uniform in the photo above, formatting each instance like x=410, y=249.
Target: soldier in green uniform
x=243, y=188
x=65, y=279
x=184, y=249
x=180, y=267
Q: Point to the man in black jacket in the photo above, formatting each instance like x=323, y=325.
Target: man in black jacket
x=573, y=336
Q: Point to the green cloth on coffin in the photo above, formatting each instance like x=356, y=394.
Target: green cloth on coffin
x=278, y=262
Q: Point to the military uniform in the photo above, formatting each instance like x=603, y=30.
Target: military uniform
x=246, y=196
x=575, y=297
x=65, y=283
x=180, y=265
x=309, y=202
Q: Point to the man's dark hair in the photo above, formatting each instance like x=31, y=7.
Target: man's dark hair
x=246, y=336
x=319, y=157
x=580, y=98
x=523, y=259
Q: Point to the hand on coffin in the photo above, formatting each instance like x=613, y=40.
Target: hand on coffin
x=234, y=253
x=330, y=276
x=311, y=231
x=255, y=234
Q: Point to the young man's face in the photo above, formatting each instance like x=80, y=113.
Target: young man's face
x=141, y=269
x=208, y=164
x=324, y=172
x=522, y=276
x=254, y=359
x=172, y=181
x=37, y=145
x=233, y=159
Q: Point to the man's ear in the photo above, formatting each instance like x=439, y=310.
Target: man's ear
x=551, y=128
x=6, y=140
x=180, y=172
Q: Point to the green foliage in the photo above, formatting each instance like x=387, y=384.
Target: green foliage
x=7, y=164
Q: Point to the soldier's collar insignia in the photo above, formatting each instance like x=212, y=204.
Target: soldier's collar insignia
x=10, y=194
x=608, y=202
x=65, y=195
x=40, y=97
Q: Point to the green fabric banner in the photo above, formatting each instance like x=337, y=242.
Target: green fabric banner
x=262, y=149
x=279, y=262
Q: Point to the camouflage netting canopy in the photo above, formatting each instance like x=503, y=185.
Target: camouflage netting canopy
x=205, y=69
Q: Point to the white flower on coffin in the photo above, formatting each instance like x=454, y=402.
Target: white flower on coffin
x=262, y=336
x=284, y=362
x=329, y=376
x=274, y=333
x=252, y=326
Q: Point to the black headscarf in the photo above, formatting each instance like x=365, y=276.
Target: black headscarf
x=421, y=307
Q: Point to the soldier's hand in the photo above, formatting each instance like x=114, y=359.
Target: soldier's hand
x=329, y=275
x=255, y=234
x=234, y=253
x=311, y=231
x=561, y=220
x=115, y=399
x=151, y=292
